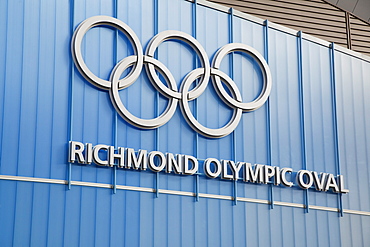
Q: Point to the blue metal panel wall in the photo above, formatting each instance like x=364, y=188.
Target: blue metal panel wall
x=354, y=127
x=284, y=101
x=319, y=122
x=34, y=107
x=254, y=125
x=45, y=102
x=214, y=114
x=285, y=133
x=352, y=76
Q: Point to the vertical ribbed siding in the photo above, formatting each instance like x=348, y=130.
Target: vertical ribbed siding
x=12, y=91
x=43, y=214
x=14, y=37
x=285, y=121
x=285, y=134
x=3, y=62
x=44, y=107
x=59, y=131
x=319, y=116
x=320, y=134
x=27, y=118
x=91, y=123
x=214, y=114
x=353, y=129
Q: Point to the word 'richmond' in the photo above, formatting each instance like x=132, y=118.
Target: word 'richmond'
x=127, y=158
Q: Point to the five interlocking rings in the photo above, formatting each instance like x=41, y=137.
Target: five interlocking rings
x=171, y=92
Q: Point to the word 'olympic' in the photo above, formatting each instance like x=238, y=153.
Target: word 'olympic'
x=175, y=95
x=128, y=158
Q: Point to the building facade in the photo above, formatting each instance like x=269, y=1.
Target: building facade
x=178, y=123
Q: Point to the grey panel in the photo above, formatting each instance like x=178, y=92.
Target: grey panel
x=362, y=9
x=347, y=5
x=333, y=1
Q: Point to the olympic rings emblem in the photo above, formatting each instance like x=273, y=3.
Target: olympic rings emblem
x=171, y=92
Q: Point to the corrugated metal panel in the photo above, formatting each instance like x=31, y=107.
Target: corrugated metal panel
x=351, y=237
x=316, y=18
x=353, y=108
x=312, y=17
x=319, y=122
x=286, y=148
x=44, y=97
x=353, y=126
x=360, y=35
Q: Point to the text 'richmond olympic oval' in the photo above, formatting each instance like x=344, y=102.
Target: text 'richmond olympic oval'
x=156, y=161
x=174, y=94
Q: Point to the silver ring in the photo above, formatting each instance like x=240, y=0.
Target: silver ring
x=190, y=119
x=267, y=79
x=193, y=43
x=121, y=109
x=80, y=63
